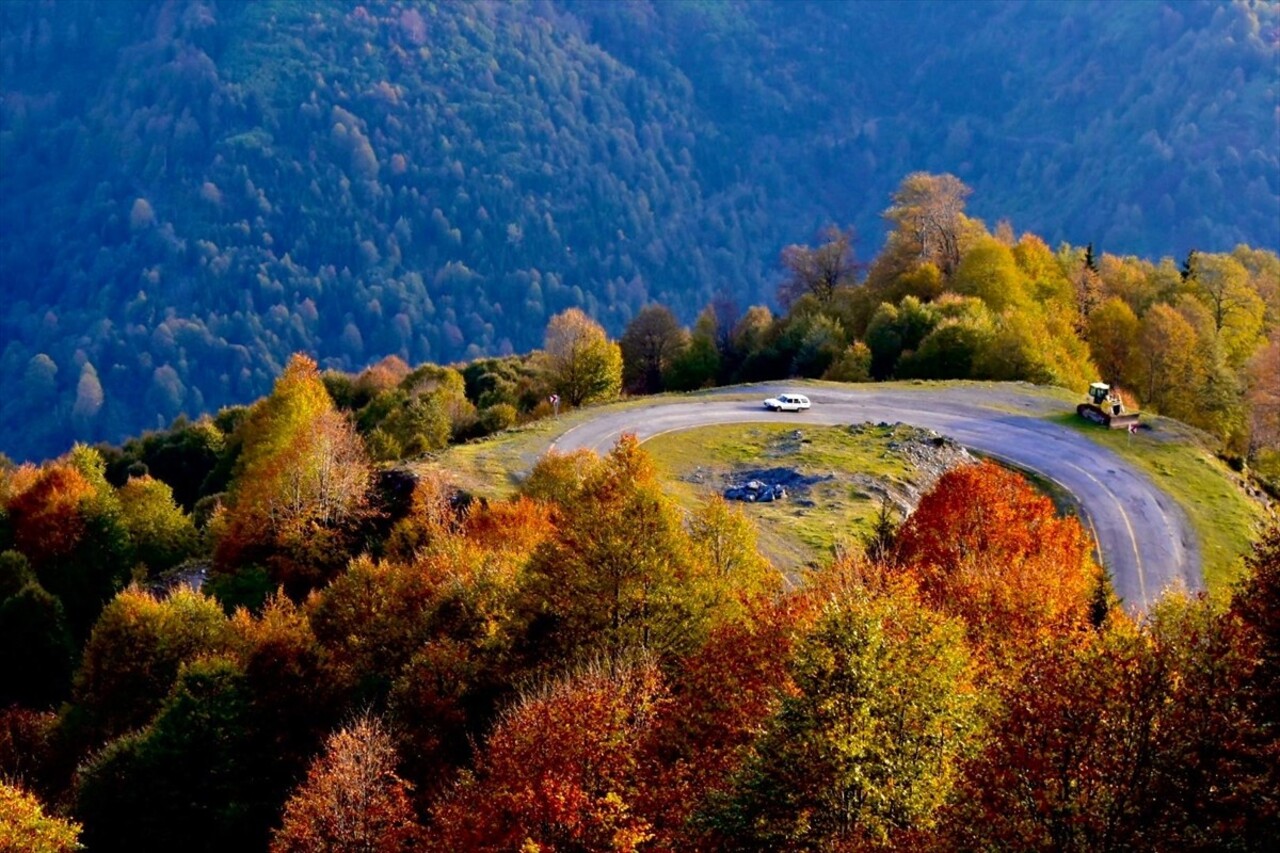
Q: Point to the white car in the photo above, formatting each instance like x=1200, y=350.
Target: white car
x=787, y=403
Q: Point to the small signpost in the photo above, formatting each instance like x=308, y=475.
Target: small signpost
x=1133, y=429
x=554, y=400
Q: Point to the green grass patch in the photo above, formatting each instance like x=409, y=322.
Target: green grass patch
x=832, y=509
x=1180, y=461
x=492, y=467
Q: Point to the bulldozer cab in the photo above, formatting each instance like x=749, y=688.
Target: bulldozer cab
x=1106, y=409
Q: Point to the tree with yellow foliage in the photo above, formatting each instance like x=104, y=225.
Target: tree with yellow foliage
x=24, y=825
x=582, y=364
x=928, y=218
x=302, y=485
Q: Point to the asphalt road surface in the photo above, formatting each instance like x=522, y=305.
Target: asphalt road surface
x=1145, y=540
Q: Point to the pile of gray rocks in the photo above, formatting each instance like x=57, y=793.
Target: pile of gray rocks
x=756, y=491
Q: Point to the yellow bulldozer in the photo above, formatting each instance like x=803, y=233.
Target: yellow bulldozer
x=1106, y=408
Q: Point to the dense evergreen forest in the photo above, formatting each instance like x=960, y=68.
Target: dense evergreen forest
x=190, y=191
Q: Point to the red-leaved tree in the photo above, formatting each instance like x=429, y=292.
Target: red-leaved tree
x=985, y=546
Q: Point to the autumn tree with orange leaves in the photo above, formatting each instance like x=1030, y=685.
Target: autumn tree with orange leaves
x=985, y=546
x=1132, y=737
x=352, y=800
x=66, y=519
x=559, y=771
x=721, y=696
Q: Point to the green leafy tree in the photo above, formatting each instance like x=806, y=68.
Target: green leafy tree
x=895, y=329
x=853, y=364
x=868, y=744
x=752, y=330
x=698, y=365
x=725, y=540
x=15, y=573
x=186, y=781
x=162, y=534
x=821, y=341
x=134, y=654
x=183, y=457
x=990, y=272
x=1222, y=284
x=35, y=648
x=652, y=340
x=1035, y=347
x=955, y=346
x=446, y=389
x=420, y=424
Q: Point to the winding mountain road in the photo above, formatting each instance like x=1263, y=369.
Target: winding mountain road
x=1144, y=538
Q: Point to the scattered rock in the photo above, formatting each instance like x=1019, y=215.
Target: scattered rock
x=928, y=454
x=756, y=491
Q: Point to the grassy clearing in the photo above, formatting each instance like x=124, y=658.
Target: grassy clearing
x=835, y=508
x=492, y=467
x=1180, y=462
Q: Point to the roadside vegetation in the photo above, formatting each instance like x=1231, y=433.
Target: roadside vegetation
x=1226, y=519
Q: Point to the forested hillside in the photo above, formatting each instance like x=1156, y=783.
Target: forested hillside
x=375, y=660
x=192, y=190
